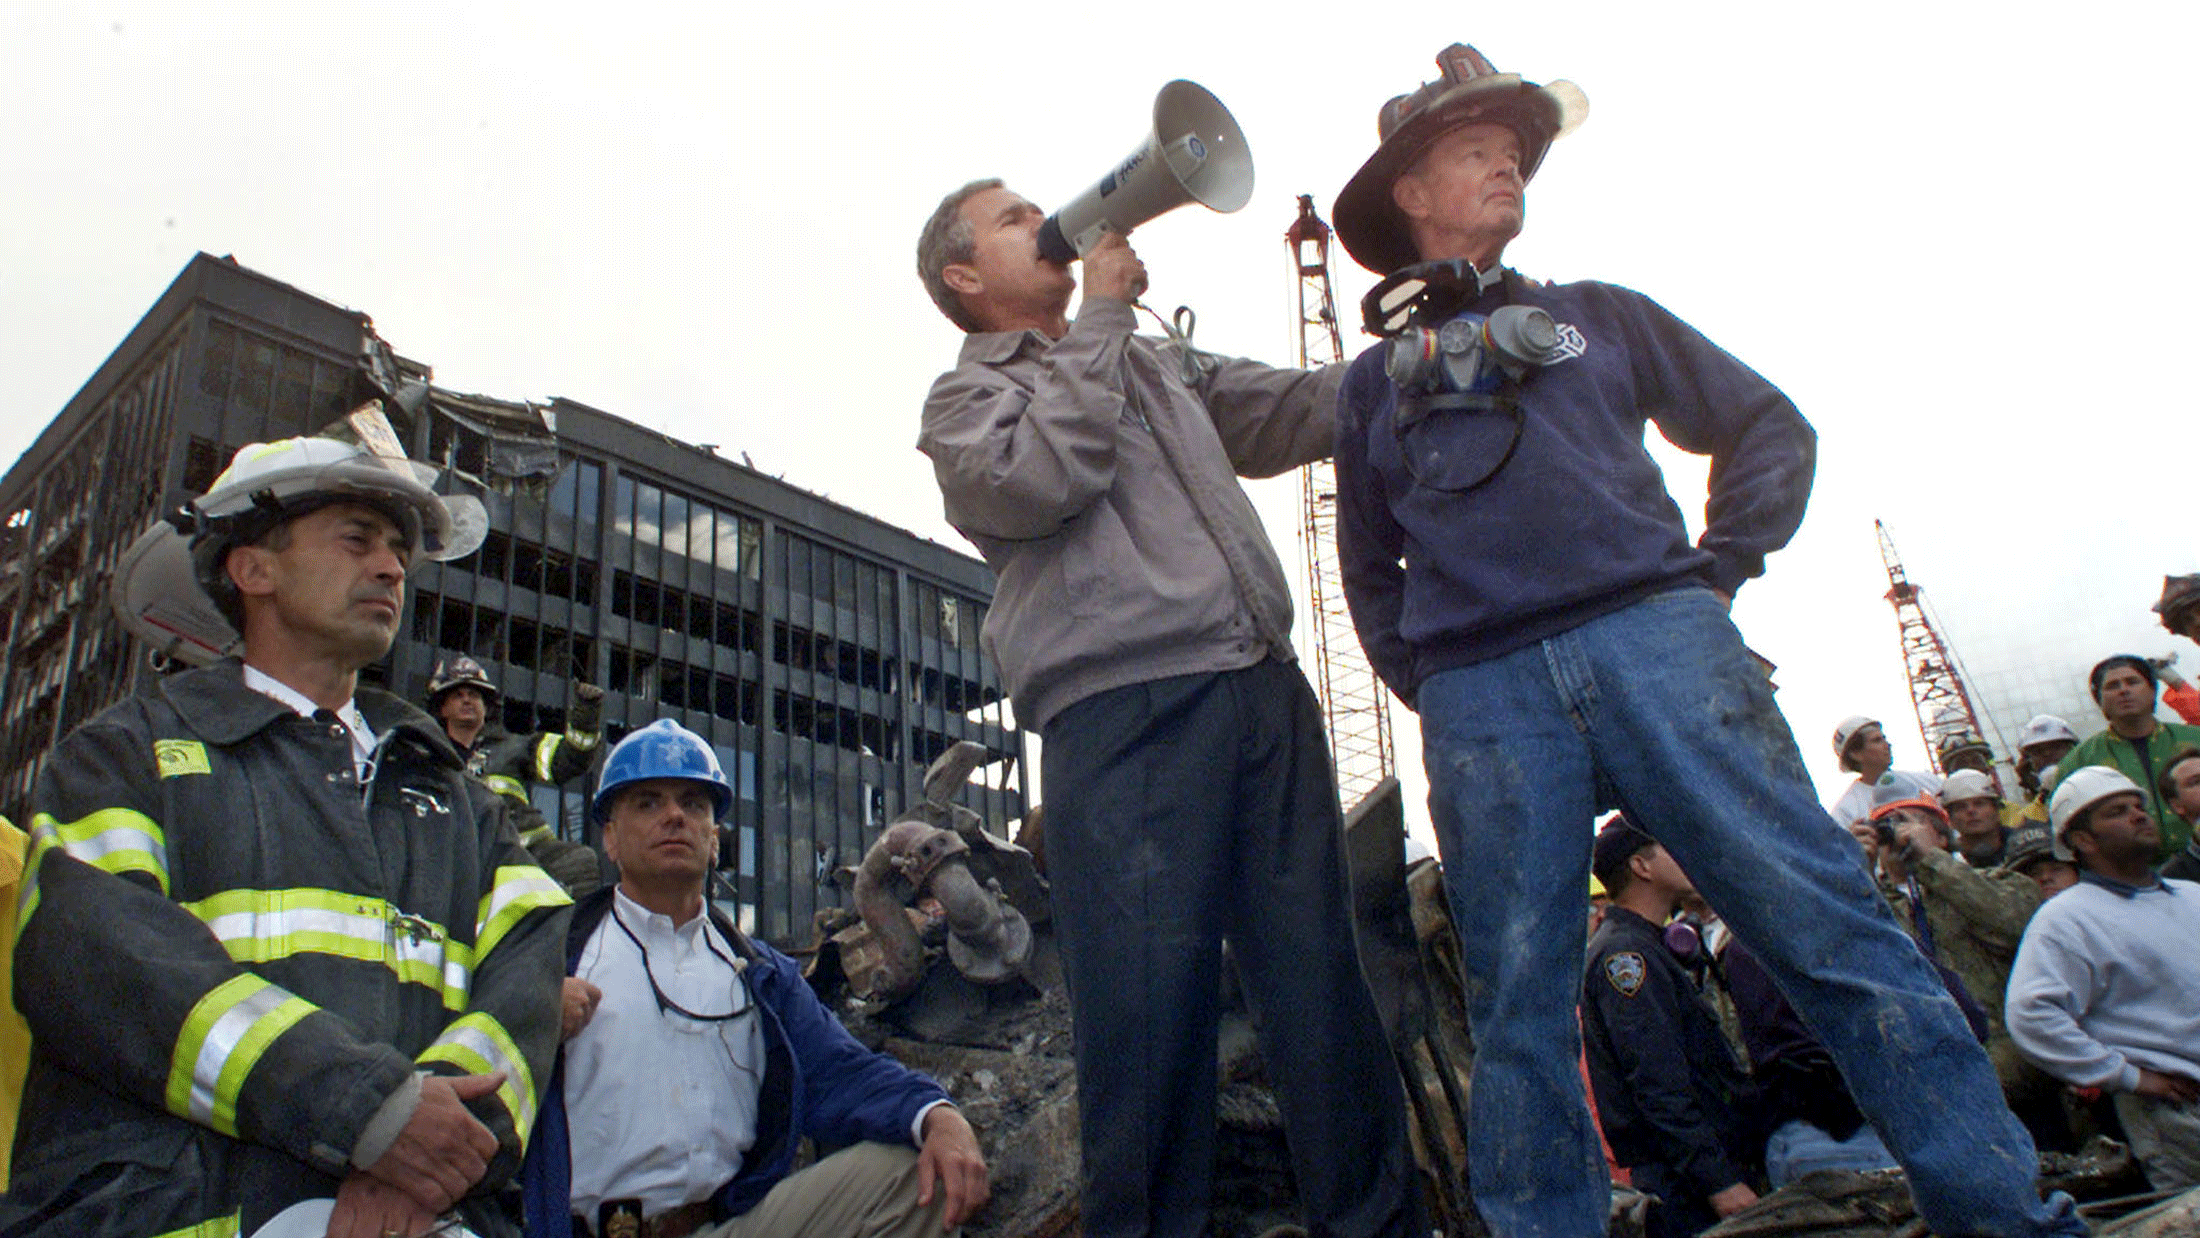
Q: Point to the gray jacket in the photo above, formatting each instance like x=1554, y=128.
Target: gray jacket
x=1103, y=492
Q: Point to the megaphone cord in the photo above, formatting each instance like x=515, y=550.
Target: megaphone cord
x=1193, y=364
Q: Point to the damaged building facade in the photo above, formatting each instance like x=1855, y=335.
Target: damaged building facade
x=827, y=655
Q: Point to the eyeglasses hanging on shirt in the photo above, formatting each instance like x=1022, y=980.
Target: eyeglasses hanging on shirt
x=665, y=1004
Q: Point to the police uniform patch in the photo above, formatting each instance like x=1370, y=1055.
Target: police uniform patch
x=177, y=757
x=1625, y=970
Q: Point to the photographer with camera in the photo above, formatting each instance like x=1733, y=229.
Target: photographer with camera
x=1520, y=576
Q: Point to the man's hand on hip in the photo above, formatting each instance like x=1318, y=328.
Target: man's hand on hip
x=444, y=1149
x=1112, y=269
x=2163, y=1086
x=950, y=1154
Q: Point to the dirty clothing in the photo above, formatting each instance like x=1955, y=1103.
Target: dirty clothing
x=15, y=1036
x=2142, y=763
x=1669, y=1091
x=1183, y=813
x=233, y=954
x=1552, y=628
x=509, y=763
x=1972, y=924
x=2164, y=1137
x=818, y=1083
x=1104, y=493
x=1801, y=1098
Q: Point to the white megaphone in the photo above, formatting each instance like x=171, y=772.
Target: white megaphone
x=1194, y=153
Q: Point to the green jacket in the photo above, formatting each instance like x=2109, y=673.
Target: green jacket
x=231, y=954
x=2109, y=748
x=1976, y=918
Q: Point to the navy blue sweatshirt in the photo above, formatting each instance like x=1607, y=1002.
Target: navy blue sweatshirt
x=1578, y=522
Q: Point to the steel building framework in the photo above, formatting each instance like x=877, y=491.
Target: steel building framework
x=828, y=656
x=1355, y=703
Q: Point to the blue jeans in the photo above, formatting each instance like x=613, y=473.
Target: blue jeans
x=1798, y=1148
x=1656, y=708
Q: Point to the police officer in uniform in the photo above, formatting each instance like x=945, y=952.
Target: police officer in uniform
x=1671, y=1096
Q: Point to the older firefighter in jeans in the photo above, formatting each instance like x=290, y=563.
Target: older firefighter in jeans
x=1143, y=625
x=276, y=944
x=1520, y=576
x=2106, y=990
x=680, y=1107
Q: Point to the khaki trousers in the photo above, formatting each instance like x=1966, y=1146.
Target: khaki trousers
x=2165, y=1137
x=867, y=1191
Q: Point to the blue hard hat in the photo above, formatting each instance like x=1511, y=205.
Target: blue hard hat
x=663, y=749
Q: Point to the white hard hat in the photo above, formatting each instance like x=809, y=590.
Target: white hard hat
x=161, y=583
x=1845, y=732
x=2045, y=729
x=1967, y=784
x=2081, y=789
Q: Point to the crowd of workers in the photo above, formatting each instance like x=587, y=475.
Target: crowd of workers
x=1708, y=1087
x=290, y=954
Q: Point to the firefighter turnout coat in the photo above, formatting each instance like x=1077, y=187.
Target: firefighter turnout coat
x=232, y=952
x=508, y=763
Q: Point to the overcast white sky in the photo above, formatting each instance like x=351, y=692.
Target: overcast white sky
x=1960, y=236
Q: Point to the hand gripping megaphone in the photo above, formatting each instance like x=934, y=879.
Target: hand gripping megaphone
x=1195, y=152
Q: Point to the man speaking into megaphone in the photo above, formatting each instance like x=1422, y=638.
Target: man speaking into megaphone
x=1142, y=623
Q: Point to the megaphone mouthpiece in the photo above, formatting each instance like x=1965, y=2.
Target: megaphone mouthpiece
x=1194, y=152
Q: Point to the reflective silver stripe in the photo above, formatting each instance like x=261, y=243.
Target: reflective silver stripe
x=277, y=926
x=222, y=1040
x=113, y=839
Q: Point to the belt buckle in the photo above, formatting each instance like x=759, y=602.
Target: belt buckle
x=619, y=1218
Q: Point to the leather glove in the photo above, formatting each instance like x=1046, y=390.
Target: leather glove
x=587, y=712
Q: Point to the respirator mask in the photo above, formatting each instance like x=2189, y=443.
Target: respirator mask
x=1445, y=359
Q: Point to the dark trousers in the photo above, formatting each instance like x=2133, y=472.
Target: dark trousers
x=1180, y=813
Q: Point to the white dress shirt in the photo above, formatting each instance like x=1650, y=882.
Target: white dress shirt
x=661, y=1106
x=362, y=735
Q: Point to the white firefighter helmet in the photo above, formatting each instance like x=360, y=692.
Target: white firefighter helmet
x=170, y=589
x=2079, y=790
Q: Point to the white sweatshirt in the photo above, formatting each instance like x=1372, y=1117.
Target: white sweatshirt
x=2106, y=983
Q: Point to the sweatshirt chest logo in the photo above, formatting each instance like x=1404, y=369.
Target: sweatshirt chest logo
x=1625, y=971
x=177, y=757
x=1571, y=344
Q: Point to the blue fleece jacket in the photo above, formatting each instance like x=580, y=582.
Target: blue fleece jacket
x=1577, y=523
x=818, y=1082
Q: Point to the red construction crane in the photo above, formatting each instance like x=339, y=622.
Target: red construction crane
x=1354, y=701
x=1943, y=704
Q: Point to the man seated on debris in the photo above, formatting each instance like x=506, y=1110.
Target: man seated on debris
x=1143, y=625
x=1675, y=1106
x=276, y=945
x=1967, y=920
x=1802, y=1101
x=1972, y=801
x=679, y=1107
x=2135, y=742
x=2106, y=989
x=2179, y=785
x=1860, y=745
x=461, y=697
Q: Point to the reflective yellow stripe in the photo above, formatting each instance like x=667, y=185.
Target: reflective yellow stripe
x=519, y=889
x=220, y=1227
x=506, y=785
x=223, y=1038
x=260, y=926
x=115, y=840
x=478, y=1044
x=546, y=751
x=586, y=741
x=540, y=834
